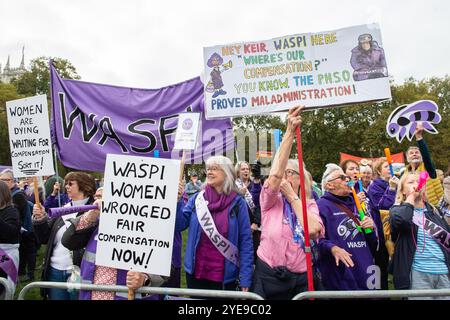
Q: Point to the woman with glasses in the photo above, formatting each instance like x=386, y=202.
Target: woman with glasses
x=59, y=261
x=219, y=248
x=250, y=190
x=281, y=264
x=346, y=261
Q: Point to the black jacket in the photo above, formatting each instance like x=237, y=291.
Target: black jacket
x=20, y=202
x=9, y=229
x=404, y=234
x=46, y=231
x=9, y=225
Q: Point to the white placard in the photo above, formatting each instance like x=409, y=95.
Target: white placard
x=138, y=214
x=319, y=69
x=187, y=131
x=29, y=137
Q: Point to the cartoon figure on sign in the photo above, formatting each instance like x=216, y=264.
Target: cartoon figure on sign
x=215, y=84
x=403, y=120
x=347, y=227
x=368, y=59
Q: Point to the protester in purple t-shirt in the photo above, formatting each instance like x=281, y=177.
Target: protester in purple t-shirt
x=382, y=196
x=346, y=261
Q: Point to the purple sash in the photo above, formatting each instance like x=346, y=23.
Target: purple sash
x=436, y=232
x=7, y=262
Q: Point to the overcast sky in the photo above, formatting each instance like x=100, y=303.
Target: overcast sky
x=151, y=44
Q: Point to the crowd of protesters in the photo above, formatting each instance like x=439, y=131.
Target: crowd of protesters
x=261, y=220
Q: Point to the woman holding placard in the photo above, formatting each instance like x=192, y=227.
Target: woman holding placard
x=59, y=261
x=219, y=249
x=281, y=264
x=83, y=234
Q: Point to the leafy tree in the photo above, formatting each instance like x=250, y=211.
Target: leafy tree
x=37, y=80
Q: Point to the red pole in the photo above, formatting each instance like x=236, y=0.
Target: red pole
x=305, y=214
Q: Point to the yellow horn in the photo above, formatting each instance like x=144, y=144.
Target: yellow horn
x=228, y=65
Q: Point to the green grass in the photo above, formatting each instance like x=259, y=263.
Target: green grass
x=32, y=294
x=183, y=250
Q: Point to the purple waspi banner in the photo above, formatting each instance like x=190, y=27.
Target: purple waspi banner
x=90, y=120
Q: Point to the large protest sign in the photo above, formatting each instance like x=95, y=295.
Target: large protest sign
x=315, y=69
x=138, y=214
x=29, y=137
x=91, y=120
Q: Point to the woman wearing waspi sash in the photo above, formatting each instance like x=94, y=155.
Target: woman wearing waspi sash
x=281, y=264
x=9, y=239
x=421, y=258
x=219, y=248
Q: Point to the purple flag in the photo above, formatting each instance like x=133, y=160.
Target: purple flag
x=90, y=120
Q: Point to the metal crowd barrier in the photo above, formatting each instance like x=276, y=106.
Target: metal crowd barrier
x=369, y=294
x=8, y=293
x=149, y=290
x=223, y=294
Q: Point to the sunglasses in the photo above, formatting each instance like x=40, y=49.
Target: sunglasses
x=343, y=177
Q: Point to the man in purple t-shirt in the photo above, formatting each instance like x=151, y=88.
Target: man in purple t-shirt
x=346, y=261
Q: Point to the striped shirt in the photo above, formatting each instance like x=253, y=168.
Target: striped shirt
x=429, y=257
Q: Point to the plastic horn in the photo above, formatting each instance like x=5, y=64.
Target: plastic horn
x=422, y=180
x=360, y=210
x=360, y=185
x=387, y=152
x=58, y=212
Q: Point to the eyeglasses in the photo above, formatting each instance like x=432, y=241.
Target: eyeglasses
x=342, y=177
x=70, y=183
x=290, y=173
x=4, y=179
x=213, y=169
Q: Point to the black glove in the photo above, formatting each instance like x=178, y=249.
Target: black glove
x=256, y=169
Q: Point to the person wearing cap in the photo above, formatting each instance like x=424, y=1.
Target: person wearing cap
x=193, y=186
x=368, y=59
x=346, y=261
x=366, y=175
